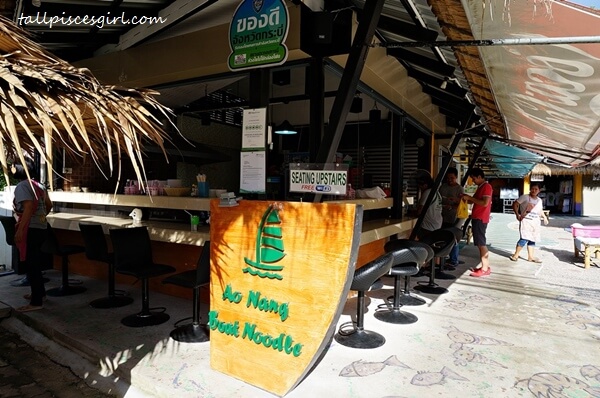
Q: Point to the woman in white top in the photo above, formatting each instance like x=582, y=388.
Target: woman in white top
x=528, y=210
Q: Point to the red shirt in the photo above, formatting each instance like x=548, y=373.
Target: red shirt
x=482, y=212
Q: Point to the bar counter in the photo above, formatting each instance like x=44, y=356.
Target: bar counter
x=174, y=243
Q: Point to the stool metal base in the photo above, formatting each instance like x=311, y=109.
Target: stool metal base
x=111, y=302
x=360, y=339
x=148, y=319
x=431, y=289
x=410, y=300
x=443, y=275
x=396, y=316
x=191, y=333
x=23, y=282
x=67, y=290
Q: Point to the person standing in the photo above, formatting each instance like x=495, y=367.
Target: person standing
x=31, y=205
x=451, y=192
x=529, y=210
x=480, y=217
x=433, y=214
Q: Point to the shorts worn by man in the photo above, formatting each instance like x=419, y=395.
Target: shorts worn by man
x=480, y=217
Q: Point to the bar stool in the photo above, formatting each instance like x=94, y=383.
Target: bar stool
x=194, y=279
x=96, y=249
x=441, y=242
x=51, y=246
x=405, y=263
x=364, y=277
x=421, y=253
x=133, y=256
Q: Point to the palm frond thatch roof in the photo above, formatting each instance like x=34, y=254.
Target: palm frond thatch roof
x=46, y=102
x=556, y=170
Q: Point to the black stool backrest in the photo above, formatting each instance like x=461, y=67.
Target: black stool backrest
x=8, y=222
x=51, y=245
x=407, y=251
x=132, y=247
x=371, y=271
x=203, y=266
x=458, y=233
x=441, y=241
x=94, y=241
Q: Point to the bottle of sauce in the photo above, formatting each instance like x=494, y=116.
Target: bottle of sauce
x=350, y=192
x=386, y=189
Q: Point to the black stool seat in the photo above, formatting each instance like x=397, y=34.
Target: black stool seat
x=363, y=279
x=440, y=274
x=441, y=242
x=408, y=258
x=51, y=246
x=96, y=249
x=193, y=332
x=133, y=256
x=407, y=262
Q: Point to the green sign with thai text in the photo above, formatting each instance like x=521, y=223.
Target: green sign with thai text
x=257, y=34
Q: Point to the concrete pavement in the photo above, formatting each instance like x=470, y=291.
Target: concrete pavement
x=527, y=330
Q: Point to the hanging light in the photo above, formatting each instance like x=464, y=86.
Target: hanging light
x=356, y=106
x=36, y=3
x=375, y=114
x=286, y=128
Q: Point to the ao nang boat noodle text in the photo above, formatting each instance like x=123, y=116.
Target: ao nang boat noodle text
x=282, y=343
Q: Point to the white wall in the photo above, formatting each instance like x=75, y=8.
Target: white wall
x=591, y=197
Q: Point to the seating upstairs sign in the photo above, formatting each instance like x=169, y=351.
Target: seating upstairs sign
x=280, y=276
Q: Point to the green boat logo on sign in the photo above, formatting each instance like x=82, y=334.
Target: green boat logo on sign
x=257, y=34
x=269, y=247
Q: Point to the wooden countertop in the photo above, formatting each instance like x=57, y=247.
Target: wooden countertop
x=179, y=233
x=384, y=228
x=158, y=230
x=174, y=202
x=107, y=199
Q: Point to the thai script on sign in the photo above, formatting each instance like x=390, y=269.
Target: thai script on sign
x=251, y=23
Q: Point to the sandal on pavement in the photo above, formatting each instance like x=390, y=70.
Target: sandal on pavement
x=535, y=260
x=27, y=308
x=28, y=297
x=480, y=272
x=512, y=258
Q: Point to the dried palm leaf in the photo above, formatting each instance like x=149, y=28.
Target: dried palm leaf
x=45, y=102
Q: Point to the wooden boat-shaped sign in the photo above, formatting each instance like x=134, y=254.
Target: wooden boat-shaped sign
x=280, y=275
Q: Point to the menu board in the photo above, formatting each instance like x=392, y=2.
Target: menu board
x=253, y=174
x=254, y=128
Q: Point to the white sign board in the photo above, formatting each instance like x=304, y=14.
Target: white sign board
x=330, y=182
x=253, y=174
x=254, y=128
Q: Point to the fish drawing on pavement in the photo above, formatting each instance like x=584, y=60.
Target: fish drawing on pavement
x=361, y=368
x=460, y=338
x=459, y=305
x=591, y=372
x=423, y=378
x=465, y=355
x=557, y=385
x=476, y=297
x=582, y=319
